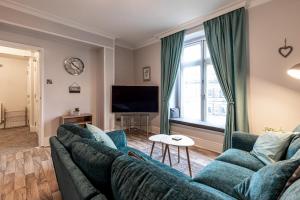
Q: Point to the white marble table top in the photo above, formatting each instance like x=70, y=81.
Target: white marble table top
x=169, y=139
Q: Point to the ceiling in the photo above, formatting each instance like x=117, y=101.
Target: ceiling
x=130, y=21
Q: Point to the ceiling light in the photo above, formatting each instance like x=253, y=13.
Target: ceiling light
x=294, y=71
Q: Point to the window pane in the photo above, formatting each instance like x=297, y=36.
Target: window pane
x=216, y=103
x=191, y=92
x=191, y=53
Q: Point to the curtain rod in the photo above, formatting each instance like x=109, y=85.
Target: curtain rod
x=200, y=20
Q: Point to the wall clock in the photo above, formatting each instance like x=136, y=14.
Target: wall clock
x=74, y=66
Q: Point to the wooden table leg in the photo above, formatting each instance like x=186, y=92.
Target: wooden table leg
x=162, y=149
x=189, y=162
x=178, y=155
x=152, y=149
x=165, y=152
x=169, y=155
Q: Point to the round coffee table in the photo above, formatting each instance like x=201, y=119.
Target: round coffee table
x=174, y=140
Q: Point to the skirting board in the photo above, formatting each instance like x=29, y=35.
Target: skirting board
x=46, y=141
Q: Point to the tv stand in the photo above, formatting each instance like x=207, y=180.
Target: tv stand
x=135, y=121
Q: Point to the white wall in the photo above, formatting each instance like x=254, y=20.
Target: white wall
x=13, y=82
x=124, y=68
x=57, y=99
x=274, y=96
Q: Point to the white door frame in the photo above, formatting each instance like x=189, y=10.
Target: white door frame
x=41, y=137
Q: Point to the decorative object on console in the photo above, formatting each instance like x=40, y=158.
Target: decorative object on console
x=294, y=71
x=74, y=66
x=81, y=119
x=76, y=111
x=147, y=73
x=74, y=88
x=285, y=51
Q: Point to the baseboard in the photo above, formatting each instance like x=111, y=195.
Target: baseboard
x=46, y=141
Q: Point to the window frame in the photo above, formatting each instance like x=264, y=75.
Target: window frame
x=203, y=62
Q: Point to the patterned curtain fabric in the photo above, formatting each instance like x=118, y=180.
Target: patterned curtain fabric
x=171, y=49
x=227, y=42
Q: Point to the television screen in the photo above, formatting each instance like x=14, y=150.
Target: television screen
x=134, y=99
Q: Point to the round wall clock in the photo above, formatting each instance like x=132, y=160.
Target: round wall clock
x=74, y=66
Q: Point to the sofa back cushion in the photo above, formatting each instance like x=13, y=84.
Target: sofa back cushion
x=293, y=147
x=73, y=183
x=95, y=160
x=134, y=179
x=292, y=192
x=268, y=182
x=68, y=133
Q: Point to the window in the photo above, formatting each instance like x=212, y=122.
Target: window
x=198, y=93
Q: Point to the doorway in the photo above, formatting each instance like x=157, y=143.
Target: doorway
x=20, y=96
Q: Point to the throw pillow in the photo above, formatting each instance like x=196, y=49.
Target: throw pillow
x=270, y=146
x=268, y=182
x=101, y=136
x=296, y=156
x=95, y=160
x=292, y=179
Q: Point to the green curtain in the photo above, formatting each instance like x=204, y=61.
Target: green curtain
x=227, y=42
x=171, y=48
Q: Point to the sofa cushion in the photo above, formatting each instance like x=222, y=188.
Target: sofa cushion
x=223, y=176
x=95, y=160
x=101, y=136
x=66, y=137
x=292, y=192
x=293, y=147
x=241, y=158
x=78, y=130
x=268, y=182
x=139, y=180
x=271, y=146
x=73, y=183
x=147, y=158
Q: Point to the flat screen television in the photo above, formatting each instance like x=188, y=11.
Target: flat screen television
x=134, y=99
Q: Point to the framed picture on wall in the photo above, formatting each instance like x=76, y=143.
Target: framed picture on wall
x=147, y=73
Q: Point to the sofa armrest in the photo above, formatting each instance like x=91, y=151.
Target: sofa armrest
x=118, y=137
x=243, y=141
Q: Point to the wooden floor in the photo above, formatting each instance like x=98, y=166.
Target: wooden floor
x=17, y=139
x=199, y=157
x=29, y=173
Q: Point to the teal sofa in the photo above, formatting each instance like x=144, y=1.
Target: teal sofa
x=86, y=169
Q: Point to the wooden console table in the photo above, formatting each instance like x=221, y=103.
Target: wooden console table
x=80, y=120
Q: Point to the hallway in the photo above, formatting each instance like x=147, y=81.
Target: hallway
x=17, y=139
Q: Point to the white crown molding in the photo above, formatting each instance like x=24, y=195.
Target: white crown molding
x=148, y=42
x=199, y=20
x=123, y=44
x=48, y=16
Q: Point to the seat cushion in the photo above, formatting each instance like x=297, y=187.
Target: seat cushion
x=293, y=147
x=223, y=176
x=241, y=158
x=134, y=179
x=95, y=160
x=268, y=182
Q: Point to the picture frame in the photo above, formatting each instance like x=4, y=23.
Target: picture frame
x=147, y=73
x=74, y=88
